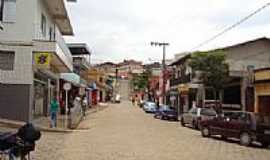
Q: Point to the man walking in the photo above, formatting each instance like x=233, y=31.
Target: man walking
x=53, y=110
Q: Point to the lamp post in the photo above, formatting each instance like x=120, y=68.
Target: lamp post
x=164, y=45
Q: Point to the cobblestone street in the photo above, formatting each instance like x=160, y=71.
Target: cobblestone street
x=124, y=132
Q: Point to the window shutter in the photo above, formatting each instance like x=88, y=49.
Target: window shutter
x=9, y=12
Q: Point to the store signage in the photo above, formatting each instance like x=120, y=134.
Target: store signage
x=67, y=86
x=42, y=60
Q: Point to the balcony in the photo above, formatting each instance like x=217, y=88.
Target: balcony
x=53, y=44
x=180, y=80
x=81, y=62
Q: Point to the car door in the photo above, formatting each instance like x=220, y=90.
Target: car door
x=217, y=124
x=238, y=122
x=190, y=115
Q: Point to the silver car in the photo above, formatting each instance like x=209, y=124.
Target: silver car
x=195, y=115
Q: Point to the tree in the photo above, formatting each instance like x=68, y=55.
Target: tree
x=140, y=81
x=215, y=71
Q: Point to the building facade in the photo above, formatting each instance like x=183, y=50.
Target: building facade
x=33, y=54
x=238, y=92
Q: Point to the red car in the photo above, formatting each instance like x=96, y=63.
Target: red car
x=245, y=126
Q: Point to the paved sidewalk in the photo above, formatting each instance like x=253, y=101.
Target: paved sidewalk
x=43, y=123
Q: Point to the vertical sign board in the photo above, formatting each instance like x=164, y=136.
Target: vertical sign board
x=67, y=87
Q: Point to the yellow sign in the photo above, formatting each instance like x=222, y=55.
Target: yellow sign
x=42, y=60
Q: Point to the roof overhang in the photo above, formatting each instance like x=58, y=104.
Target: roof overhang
x=58, y=11
x=79, y=49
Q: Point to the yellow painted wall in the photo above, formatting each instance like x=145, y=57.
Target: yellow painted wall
x=262, y=75
x=261, y=89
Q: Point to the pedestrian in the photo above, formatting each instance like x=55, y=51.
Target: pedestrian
x=53, y=111
x=133, y=100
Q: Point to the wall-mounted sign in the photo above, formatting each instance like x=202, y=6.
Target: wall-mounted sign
x=42, y=60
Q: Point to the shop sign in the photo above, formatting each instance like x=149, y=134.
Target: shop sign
x=42, y=60
x=67, y=86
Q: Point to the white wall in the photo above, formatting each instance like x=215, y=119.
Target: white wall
x=256, y=54
x=22, y=72
x=22, y=29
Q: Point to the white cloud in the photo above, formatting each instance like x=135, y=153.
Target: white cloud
x=119, y=29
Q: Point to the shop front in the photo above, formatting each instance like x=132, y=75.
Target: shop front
x=262, y=91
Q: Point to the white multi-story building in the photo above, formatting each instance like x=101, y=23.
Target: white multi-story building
x=33, y=53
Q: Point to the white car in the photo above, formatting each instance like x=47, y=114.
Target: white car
x=118, y=98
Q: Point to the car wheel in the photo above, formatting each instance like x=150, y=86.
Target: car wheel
x=265, y=144
x=205, y=132
x=245, y=139
x=182, y=122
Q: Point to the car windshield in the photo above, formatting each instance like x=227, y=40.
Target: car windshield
x=208, y=112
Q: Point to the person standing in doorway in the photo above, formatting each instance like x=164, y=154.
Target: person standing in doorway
x=53, y=111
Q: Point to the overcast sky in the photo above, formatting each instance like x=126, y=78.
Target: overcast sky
x=123, y=29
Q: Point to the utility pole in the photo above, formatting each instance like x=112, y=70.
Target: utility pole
x=164, y=45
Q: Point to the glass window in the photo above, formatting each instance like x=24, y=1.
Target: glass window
x=208, y=112
x=1, y=9
x=7, y=60
x=9, y=10
x=43, y=25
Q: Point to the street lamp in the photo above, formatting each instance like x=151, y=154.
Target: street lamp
x=164, y=45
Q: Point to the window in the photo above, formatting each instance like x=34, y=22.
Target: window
x=8, y=10
x=7, y=60
x=43, y=25
x=1, y=9
x=208, y=112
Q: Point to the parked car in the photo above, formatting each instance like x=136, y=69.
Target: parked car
x=150, y=107
x=245, y=126
x=195, y=115
x=159, y=111
x=169, y=114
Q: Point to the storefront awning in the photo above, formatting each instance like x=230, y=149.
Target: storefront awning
x=72, y=78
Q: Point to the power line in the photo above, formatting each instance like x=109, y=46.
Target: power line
x=232, y=26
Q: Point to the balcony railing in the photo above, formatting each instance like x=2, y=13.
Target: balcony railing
x=81, y=62
x=61, y=48
x=180, y=80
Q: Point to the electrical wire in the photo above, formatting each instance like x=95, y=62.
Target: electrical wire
x=231, y=27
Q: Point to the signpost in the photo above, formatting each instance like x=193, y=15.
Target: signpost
x=67, y=87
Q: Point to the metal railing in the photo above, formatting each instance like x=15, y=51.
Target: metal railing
x=56, y=38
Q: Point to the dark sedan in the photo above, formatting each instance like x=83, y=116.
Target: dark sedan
x=166, y=113
x=162, y=108
x=245, y=126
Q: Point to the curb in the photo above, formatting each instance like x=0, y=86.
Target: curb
x=17, y=124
